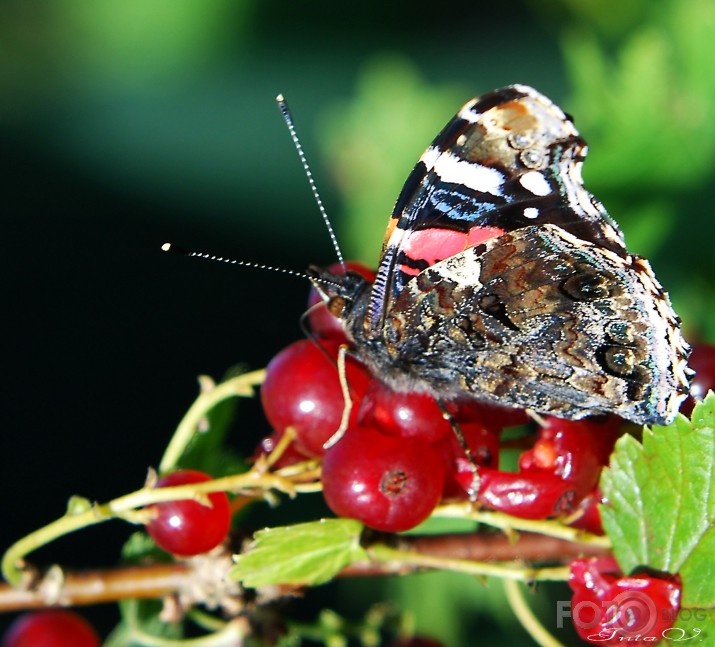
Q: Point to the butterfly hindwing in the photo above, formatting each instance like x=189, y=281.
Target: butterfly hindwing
x=545, y=321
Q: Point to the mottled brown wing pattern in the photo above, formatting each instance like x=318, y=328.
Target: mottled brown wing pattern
x=542, y=320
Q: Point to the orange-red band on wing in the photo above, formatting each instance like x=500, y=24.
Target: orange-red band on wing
x=434, y=245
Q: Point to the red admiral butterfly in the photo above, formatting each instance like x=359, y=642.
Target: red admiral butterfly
x=503, y=279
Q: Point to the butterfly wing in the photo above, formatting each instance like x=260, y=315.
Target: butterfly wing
x=542, y=320
x=508, y=159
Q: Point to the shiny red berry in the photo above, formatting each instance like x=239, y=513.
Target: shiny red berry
x=402, y=414
x=483, y=445
x=490, y=415
x=302, y=390
x=575, y=450
x=529, y=496
x=590, y=516
x=610, y=608
x=322, y=323
x=556, y=474
x=388, y=483
x=702, y=361
x=52, y=628
x=187, y=527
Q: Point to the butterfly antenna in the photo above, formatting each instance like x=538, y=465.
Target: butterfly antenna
x=288, y=118
x=175, y=249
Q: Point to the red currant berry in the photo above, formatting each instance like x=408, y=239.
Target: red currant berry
x=302, y=390
x=575, y=450
x=610, y=609
x=702, y=361
x=187, y=527
x=529, y=496
x=52, y=628
x=554, y=476
x=388, y=483
x=402, y=414
x=483, y=445
x=322, y=323
x=590, y=518
x=493, y=416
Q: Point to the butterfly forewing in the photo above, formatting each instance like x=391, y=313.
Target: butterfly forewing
x=542, y=320
x=507, y=160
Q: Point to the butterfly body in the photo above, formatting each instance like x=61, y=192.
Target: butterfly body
x=503, y=279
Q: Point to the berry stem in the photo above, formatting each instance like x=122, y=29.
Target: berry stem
x=509, y=523
x=525, y=615
x=413, y=553
x=127, y=507
x=383, y=553
x=100, y=586
x=231, y=633
x=498, y=547
x=210, y=395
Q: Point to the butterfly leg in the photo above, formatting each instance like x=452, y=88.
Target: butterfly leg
x=538, y=419
x=342, y=352
x=345, y=388
x=474, y=488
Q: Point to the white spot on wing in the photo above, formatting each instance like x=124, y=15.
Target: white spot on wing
x=461, y=268
x=452, y=169
x=531, y=212
x=468, y=114
x=429, y=157
x=536, y=183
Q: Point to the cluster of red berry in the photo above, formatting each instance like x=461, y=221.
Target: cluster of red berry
x=609, y=608
x=399, y=456
x=183, y=528
x=398, y=459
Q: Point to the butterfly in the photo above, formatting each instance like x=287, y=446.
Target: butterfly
x=503, y=279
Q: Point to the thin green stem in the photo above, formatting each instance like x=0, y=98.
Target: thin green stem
x=125, y=507
x=548, y=527
x=231, y=634
x=206, y=620
x=525, y=615
x=383, y=553
x=238, y=387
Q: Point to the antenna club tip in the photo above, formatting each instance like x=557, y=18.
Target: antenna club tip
x=280, y=98
x=166, y=247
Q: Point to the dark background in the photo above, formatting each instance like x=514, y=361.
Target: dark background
x=123, y=127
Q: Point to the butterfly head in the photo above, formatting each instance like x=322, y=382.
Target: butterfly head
x=339, y=291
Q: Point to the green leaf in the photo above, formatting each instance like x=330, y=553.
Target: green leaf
x=307, y=553
x=661, y=510
x=443, y=526
x=140, y=547
x=140, y=618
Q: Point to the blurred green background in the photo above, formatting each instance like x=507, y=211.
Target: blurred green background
x=125, y=124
